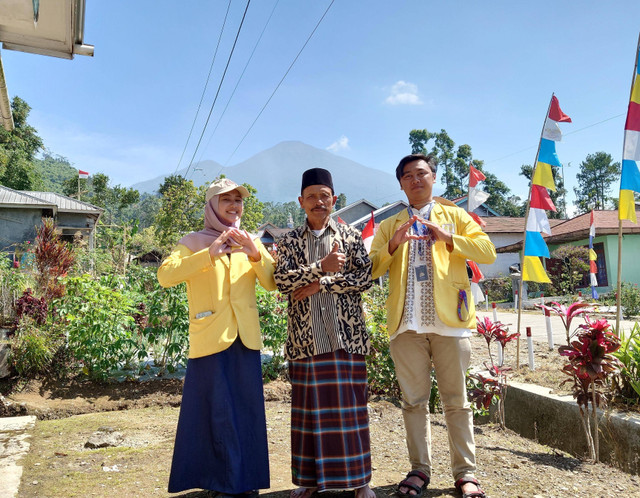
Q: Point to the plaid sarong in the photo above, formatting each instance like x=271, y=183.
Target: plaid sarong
x=329, y=422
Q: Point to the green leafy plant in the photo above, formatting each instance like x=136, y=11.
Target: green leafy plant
x=498, y=289
x=630, y=299
x=167, y=331
x=99, y=322
x=574, y=264
x=33, y=347
x=12, y=284
x=380, y=369
x=272, y=310
x=627, y=383
x=590, y=363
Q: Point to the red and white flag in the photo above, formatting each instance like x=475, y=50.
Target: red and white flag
x=83, y=174
x=368, y=232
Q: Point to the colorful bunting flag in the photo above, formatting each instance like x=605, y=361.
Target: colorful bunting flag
x=533, y=271
x=539, y=199
x=535, y=245
x=544, y=176
x=593, y=267
x=630, y=177
x=538, y=221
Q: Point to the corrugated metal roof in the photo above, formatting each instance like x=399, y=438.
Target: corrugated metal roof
x=19, y=198
x=66, y=204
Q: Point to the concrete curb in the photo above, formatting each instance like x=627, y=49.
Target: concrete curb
x=14, y=445
x=533, y=412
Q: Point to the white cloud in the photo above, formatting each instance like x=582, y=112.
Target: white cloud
x=339, y=145
x=404, y=93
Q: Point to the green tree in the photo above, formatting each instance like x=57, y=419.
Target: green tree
x=181, y=212
x=597, y=173
x=18, y=149
x=453, y=170
x=98, y=191
x=55, y=170
x=341, y=202
x=24, y=138
x=252, y=211
x=557, y=196
x=278, y=213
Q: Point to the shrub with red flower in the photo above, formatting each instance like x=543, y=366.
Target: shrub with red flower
x=567, y=313
x=488, y=388
x=590, y=363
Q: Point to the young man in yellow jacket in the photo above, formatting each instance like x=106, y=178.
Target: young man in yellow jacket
x=430, y=317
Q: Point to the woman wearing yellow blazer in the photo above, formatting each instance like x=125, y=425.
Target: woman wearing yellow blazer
x=221, y=440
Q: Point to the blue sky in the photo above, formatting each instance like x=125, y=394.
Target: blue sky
x=483, y=71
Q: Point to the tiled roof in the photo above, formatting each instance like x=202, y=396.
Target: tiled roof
x=65, y=204
x=606, y=223
x=509, y=224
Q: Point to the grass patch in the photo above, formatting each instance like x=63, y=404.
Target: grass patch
x=59, y=465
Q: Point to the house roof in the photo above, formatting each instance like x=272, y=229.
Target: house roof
x=378, y=212
x=65, y=204
x=10, y=197
x=458, y=201
x=509, y=224
x=349, y=206
x=606, y=223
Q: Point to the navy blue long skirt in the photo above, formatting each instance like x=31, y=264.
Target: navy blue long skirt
x=221, y=441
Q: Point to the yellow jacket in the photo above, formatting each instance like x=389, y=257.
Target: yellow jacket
x=469, y=242
x=221, y=294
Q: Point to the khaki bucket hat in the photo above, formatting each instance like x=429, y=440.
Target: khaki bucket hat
x=225, y=185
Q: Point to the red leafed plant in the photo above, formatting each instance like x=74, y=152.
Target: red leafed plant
x=496, y=385
x=53, y=258
x=590, y=362
x=567, y=313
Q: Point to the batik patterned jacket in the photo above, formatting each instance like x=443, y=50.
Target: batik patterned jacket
x=333, y=318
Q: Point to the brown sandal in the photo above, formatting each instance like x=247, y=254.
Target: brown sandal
x=407, y=484
x=474, y=494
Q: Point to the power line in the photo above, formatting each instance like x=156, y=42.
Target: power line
x=219, y=86
x=279, y=83
x=564, y=134
x=239, y=80
x=213, y=60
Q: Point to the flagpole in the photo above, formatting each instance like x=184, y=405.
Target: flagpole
x=524, y=239
x=619, y=283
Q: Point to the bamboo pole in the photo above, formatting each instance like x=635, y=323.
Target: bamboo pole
x=524, y=238
x=619, y=283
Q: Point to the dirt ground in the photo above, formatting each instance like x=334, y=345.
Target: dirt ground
x=145, y=414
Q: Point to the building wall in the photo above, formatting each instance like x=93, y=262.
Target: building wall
x=355, y=213
x=503, y=261
x=17, y=225
x=630, y=251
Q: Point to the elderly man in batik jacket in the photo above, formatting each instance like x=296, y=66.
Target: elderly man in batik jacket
x=323, y=267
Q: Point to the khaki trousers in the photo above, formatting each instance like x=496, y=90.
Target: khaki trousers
x=413, y=355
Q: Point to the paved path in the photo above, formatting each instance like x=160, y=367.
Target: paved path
x=14, y=444
x=536, y=320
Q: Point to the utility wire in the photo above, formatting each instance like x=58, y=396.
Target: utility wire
x=563, y=134
x=239, y=79
x=219, y=86
x=278, y=86
x=204, y=90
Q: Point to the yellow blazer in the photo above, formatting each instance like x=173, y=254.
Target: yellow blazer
x=450, y=271
x=221, y=294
